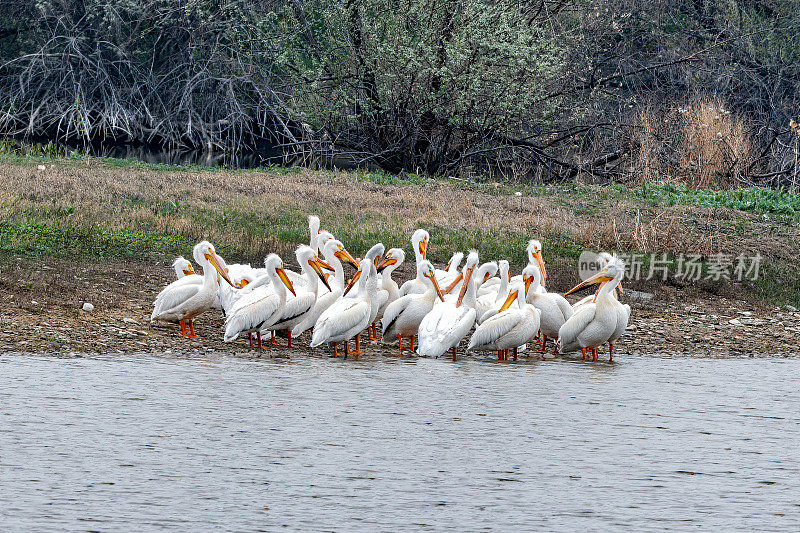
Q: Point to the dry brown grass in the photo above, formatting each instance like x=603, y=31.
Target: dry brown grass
x=698, y=143
x=258, y=212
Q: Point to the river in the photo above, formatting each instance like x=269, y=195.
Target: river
x=149, y=442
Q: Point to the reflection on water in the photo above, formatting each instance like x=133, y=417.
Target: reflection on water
x=316, y=443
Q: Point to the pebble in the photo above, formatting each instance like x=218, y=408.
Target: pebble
x=41, y=167
x=129, y=320
x=791, y=308
x=735, y=322
x=88, y=307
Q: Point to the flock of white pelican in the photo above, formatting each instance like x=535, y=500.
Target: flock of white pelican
x=438, y=308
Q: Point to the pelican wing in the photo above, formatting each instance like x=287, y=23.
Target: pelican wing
x=295, y=307
x=574, y=326
x=174, y=295
x=250, y=312
x=495, y=327
x=338, y=319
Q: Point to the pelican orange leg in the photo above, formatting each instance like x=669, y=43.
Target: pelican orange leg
x=192, y=334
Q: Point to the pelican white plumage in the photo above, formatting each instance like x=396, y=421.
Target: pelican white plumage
x=313, y=233
x=419, y=242
x=334, y=253
x=262, y=307
x=403, y=316
x=388, y=291
x=348, y=317
x=509, y=328
x=181, y=301
x=595, y=323
x=493, y=297
x=603, y=259
x=450, y=321
x=554, y=308
x=301, y=304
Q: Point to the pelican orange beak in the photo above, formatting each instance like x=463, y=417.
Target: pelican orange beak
x=213, y=258
x=285, y=279
x=189, y=270
x=452, y=286
x=315, y=265
x=431, y=276
x=385, y=263
x=619, y=286
x=600, y=277
x=352, y=283
x=464, y=286
x=322, y=263
x=242, y=284
x=423, y=247
x=345, y=256
x=528, y=280
x=486, y=276
x=448, y=264
x=538, y=257
x=513, y=295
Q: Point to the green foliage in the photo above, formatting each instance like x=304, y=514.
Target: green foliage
x=30, y=237
x=753, y=199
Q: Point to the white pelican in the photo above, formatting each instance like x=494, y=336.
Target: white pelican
x=388, y=291
x=419, y=242
x=595, y=323
x=403, y=316
x=509, y=328
x=181, y=301
x=623, y=310
x=450, y=321
x=262, y=307
x=554, y=308
x=334, y=253
x=493, y=297
x=348, y=317
x=298, y=307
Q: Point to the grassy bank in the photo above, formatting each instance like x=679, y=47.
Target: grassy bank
x=79, y=208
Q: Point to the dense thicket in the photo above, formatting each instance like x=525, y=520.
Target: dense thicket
x=696, y=91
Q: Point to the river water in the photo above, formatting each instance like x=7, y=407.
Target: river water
x=138, y=443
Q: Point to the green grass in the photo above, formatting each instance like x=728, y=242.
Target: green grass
x=30, y=237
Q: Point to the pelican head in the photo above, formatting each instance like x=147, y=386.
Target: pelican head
x=313, y=225
x=455, y=261
x=486, y=271
x=425, y=271
x=531, y=276
x=338, y=251
x=503, y=266
x=534, y=250
x=274, y=265
x=420, y=241
x=307, y=257
x=205, y=255
x=182, y=267
x=614, y=269
x=394, y=257
x=375, y=253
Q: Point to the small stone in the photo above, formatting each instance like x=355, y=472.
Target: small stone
x=130, y=321
x=791, y=308
x=735, y=322
x=638, y=295
x=41, y=167
x=34, y=302
x=87, y=307
x=745, y=313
